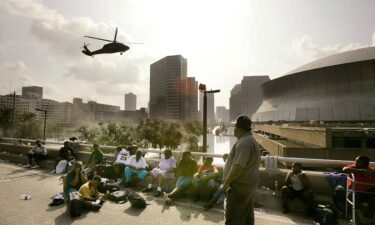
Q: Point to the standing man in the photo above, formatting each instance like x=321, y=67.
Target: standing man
x=240, y=177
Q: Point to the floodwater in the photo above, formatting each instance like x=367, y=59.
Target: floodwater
x=219, y=144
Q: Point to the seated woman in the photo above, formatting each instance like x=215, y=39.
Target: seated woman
x=186, y=169
x=74, y=179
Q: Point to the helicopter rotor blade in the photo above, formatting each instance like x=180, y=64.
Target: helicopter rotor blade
x=98, y=38
x=134, y=43
x=115, y=35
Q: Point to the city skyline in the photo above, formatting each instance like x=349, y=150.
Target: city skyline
x=42, y=42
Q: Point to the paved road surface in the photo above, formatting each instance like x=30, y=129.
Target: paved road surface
x=15, y=180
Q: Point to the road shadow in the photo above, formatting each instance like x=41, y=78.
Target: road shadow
x=53, y=208
x=64, y=218
x=133, y=212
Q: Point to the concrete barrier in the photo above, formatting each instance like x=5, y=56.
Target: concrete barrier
x=267, y=196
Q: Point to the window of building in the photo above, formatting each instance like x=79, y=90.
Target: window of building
x=370, y=142
x=346, y=142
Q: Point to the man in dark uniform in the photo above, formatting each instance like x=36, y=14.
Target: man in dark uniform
x=240, y=177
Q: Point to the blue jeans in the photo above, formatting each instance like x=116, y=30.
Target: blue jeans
x=141, y=174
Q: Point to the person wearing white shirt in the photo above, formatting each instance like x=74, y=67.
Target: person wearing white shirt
x=135, y=164
x=119, y=164
x=297, y=185
x=37, y=152
x=166, y=169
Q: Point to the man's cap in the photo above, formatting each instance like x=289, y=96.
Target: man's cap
x=244, y=122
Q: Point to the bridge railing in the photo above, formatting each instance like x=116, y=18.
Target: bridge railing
x=269, y=162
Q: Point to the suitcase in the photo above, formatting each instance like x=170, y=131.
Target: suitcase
x=74, y=206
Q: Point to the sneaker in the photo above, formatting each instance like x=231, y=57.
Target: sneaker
x=147, y=190
x=27, y=166
x=35, y=167
x=167, y=200
x=158, y=194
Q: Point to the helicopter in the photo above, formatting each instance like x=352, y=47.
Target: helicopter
x=109, y=48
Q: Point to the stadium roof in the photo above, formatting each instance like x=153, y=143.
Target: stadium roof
x=357, y=55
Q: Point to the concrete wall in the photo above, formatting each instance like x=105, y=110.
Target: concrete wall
x=313, y=136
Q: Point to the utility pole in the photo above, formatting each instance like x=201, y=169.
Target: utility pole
x=14, y=114
x=202, y=88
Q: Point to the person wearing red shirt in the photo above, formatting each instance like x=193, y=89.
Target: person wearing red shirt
x=365, y=192
x=204, y=179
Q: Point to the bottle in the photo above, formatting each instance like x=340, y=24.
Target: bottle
x=275, y=192
x=276, y=186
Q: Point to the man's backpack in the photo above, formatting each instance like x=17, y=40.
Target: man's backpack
x=136, y=200
x=119, y=197
x=74, y=206
x=324, y=215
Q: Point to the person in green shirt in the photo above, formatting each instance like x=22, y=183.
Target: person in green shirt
x=186, y=169
x=96, y=158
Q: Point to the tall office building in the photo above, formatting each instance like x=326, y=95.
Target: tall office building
x=130, y=102
x=167, y=87
x=32, y=92
x=235, y=106
x=245, y=98
x=222, y=114
x=189, y=97
x=251, y=93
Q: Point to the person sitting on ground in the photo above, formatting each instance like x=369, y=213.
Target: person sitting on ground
x=219, y=194
x=135, y=164
x=186, y=169
x=119, y=164
x=38, y=152
x=297, y=185
x=96, y=157
x=74, y=179
x=204, y=179
x=365, y=193
x=165, y=170
x=65, y=153
x=90, y=196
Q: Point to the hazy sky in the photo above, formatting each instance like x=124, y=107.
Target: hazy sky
x=40, y=42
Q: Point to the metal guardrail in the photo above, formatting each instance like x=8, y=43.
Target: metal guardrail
x=271, y=159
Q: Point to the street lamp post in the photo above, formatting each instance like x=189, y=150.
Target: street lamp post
x=45, y=121
x=202, y=88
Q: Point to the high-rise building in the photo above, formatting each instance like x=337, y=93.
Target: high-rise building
x=235, y=106
x=222, y=114
x=251, y=93
x=189, y=97
x=130, y=102
x=32, y=92
x=167, y=87
x=245, y=98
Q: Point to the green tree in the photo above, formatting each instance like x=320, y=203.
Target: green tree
x=89, y=134
x=6, y=115
x=28, y=126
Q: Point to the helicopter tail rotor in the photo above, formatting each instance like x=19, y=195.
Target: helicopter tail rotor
x=86, y=50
